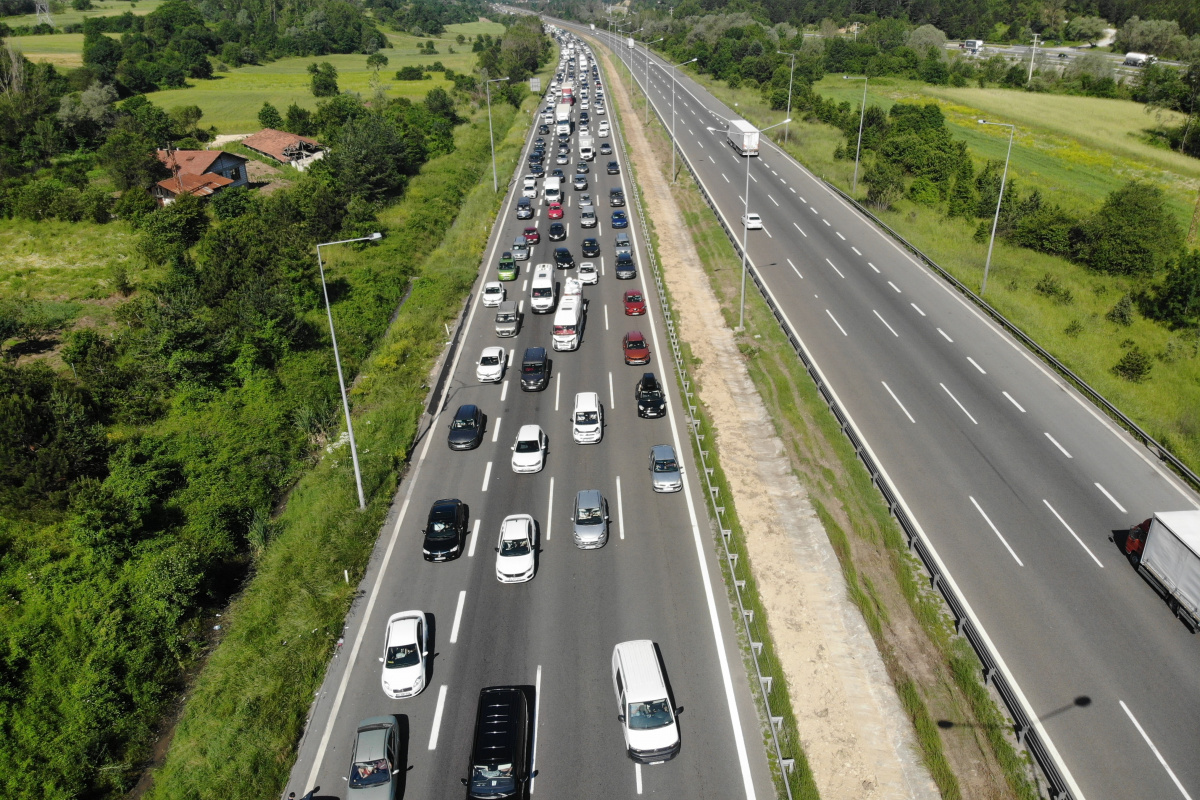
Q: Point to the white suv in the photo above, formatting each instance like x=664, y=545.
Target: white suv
x=587, y=420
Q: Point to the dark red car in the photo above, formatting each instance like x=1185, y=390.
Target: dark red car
x=635, y=304
x=532, y=236
x=555, y=211
x=637, y=352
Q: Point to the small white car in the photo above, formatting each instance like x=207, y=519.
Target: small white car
x=752, y=221
x=515, y=558
x=493, y=294
x=587, y=420
x=405, y=648
x=490, y=366
x=588, y=273
x=529, y=450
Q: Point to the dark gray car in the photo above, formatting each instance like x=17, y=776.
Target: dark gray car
x=535, y=370
x=466, y=429
x=374, y=769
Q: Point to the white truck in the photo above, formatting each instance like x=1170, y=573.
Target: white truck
x=1137, y=60
x=587, y=150
x=1165, y=549
x=569, y=317
x=562, y=119
x=743, y=137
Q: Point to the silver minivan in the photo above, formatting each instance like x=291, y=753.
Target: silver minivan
x=520, y=249
x=508, y=319
x=590, y=520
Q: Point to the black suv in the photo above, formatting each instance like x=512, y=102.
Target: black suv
x=535, y=371
x=616, y=198
x=499, y=764
x=649, y=396
x=466, y=430
x=563, y=258
x=445, y=531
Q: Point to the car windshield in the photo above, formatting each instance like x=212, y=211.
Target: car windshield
x=404, y=655
x=369, y=773
x=665, y=465
x=531, y=369
x=646, y=716
x=651, y=394
x=493, y=780
x=464, y=423
x=441, y=526
x=586, y=418
x=489, y=361
x=543, y=291
x=589, y=516
x=635, y=345
x=527, y=445
x=514, y=547
x=633, y=297
x=506, y=316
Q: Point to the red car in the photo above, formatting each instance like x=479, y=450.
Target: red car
x=555, y=211
x=635, y=304
x=532, y=236
x=637, y=352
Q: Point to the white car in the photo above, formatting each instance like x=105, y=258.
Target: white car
x=600, y=110
x=490, y=366
x=493, y=294
x=515, y=549
x=752, y=221
x=529, y=451
x=405, y=648
x=587, y=272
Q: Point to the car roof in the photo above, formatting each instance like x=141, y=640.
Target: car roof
x=588, y=498
x=468, y=410
x=442, y=505
x=516, y=525
x=635, y=336
x=493, y=350
x=662, y=451
x=535, y=352
x=402, y=631
x=372, y=739
x=561, y=250
x=493, y=285
x=529, y=432
x=649, y=379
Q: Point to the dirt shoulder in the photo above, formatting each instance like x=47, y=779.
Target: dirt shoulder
x=856, y=736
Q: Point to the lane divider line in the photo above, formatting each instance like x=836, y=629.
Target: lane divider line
x=1086, y=549
x=462, y=597
x=997, y=532
x=437, y=718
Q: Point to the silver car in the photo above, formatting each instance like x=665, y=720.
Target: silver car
x=590, y=520
x=520, y=249
x=374, y=767
x=665, y=473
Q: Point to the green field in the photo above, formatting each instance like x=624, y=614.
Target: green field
x=472, y=29
x=232, y=100
x=70, y=16
x=60, y=49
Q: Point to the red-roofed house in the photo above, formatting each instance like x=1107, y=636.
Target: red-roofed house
x=199, y=172
x=288, y=148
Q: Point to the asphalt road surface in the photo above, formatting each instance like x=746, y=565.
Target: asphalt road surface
x=1020, y=484
x=657, y=577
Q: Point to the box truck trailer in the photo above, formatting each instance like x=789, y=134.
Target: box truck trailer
x=1165, y=549
x=743, y=137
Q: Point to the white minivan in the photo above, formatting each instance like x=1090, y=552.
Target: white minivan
x=643, y=703
x=587, y=420
x=541, y=290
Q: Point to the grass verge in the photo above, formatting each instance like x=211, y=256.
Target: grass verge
x=247, y=709
x=936, y=674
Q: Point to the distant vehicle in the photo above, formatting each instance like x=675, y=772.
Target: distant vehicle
x=374, y=765
x=515, y=551
x=1165, y=549
x=535, y=370
x=532, y=235
x=498, y=766
x=1138, y=60
x=466, y=429
x=405, y=647
x=605, y=147
x=520, y=249
x=624, y=267
x=493, y=294
x=635, y=304
x=587, y=272
x=563, y=258
x=590, y=248
x=973, y=46
x=445, y=530
x=636, y=351
x=665, y=474
x=557, y=232
x=614, y=168
x=580, y=183
x=742, y=136
x=524, y=207
x=506, y=270
x=569, y=317
x=508, y=319
x=644, y=709
x=490, y=366
x=616, y=197
x=587, y=215
x=752, y=221
x=582, y=168
x=649, y=396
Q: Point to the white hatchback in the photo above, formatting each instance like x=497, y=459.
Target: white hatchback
x=529, y=450
x=490, y=366
x=405, y=647
x=587, y=272
x=515, y=555
x=493, y=294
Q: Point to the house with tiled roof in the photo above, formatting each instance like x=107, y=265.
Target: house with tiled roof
x=198, y=172
x=288, y=148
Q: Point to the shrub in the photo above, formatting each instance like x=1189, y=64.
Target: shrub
x=269, y=117
x=1133, y=233
x=1122, y=312
x=1177, y=300
x=1134, y=366
x=1051, y=287
x=324, y=79
x=924, y=191
x=410, y=74
x=885, y=184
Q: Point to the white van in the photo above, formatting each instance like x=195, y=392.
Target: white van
x=643, y=704
x=541, y=291
x=587, y=420
x=552, y=189
x=567, y=321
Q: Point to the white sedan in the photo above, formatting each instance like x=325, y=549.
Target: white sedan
x=405, y=647
x=752, y=221
x=490, y=366
x=493, y=294
x=529, y=451
x=515, y=549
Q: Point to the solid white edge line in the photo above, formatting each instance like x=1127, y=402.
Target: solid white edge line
x=474, y=539
x=960, y=405
x=897, y=399
x=537, y=714
x=884, y=321
x=1086, y=549
x=462, y=597
x=701, y=551
x=1154, y=750
x=1112, y=499
x=996, y=531
x=437, y=718
x=1054, y=441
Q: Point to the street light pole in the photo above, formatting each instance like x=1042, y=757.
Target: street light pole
x=1032, y=52
x=647, y=76
x=673, y=66
x=791, y=75
x=746, y=213
x=862, y=115
x=491, y=138
x=1012, y=129
x=337, y=360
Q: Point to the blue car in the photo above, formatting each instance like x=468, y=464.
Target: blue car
x=619, y=219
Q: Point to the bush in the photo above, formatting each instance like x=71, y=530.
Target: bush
x=885, y=184
x=1122, y=312
x=269, y=117
x=324, y=79
x=410, y=74
x=1133, y=233
x=1050, y=286
x=1134, y=366
x=924, y=191
x=1177, y=300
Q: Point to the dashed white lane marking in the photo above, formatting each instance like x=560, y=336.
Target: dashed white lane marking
x=487, y=473
x=723, y=176
x=1087, y=549
x=897, y=399
x=1014, y=402
x=839, y=234
x=997, y=532
x=835, y=269
x=1112, y=499
x=872, y=266
x=437, y=717
x=918, y=308
x=945, y=336
x=462, y=596
x=826, y=222
x=620, y=510
x=801, y=230
x=960, y=405
x=1054, y=441
x=855, y=249
x=474, y=539
x=835, y=322
x=1154, y=750
x=496, y=431
x=637, y=771
x=884, y=321
x=537, y=713
x=793, y=266
x=894, y=286
x=773, y=200
x=767, y=232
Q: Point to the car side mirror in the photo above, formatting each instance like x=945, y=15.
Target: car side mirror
x=497, y=549
x=381, y=659
x=395, y=772
x=620, y=717
x=464, y=781
x=679, y=711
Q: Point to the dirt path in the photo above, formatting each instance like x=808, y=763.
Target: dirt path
x=856, y=736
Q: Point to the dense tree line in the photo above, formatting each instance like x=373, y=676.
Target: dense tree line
x=426, y=17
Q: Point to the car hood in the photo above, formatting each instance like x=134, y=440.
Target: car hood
x=654, y=739
x=403, y=677
x=526, y=459
x=514, y=565
x=381, y=792
x=463, y=434
x=440, y=545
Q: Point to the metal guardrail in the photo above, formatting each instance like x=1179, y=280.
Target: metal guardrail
x=1157, y=448
x=754, y=636
x=1027, y=734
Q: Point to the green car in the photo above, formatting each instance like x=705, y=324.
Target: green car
x=508, y=267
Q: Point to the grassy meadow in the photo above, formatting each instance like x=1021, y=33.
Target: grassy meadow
x=59, y=49
x=100, y=8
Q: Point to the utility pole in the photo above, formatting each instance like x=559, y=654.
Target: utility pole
x=1032, y=52
x=42, y=7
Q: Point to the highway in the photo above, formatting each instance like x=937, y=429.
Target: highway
x=657, y=577
x=1016, y=480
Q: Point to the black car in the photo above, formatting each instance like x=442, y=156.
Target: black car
x=524, y=208
x=466, y=430
x=535, y=371
x=499, y=766
x=558, y=173
x=544, y=129
x=616, y=198
x=537, y=169
x=537, y=156
x=605, y=149
x=563, y=258
x=590, y=248
x=625, y=267
x=614, y=168
x=446, y=530
x=584, y=118
x=619, y=220
x=557, y=232
x=582, y=168
x=649, y=396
